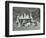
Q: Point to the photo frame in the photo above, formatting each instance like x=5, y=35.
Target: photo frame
x=24, y=18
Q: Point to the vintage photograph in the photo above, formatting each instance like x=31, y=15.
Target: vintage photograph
x=25, y=18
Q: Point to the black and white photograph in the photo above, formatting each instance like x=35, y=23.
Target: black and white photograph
x=24, y=18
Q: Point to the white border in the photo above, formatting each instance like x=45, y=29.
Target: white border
x=11, y=32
